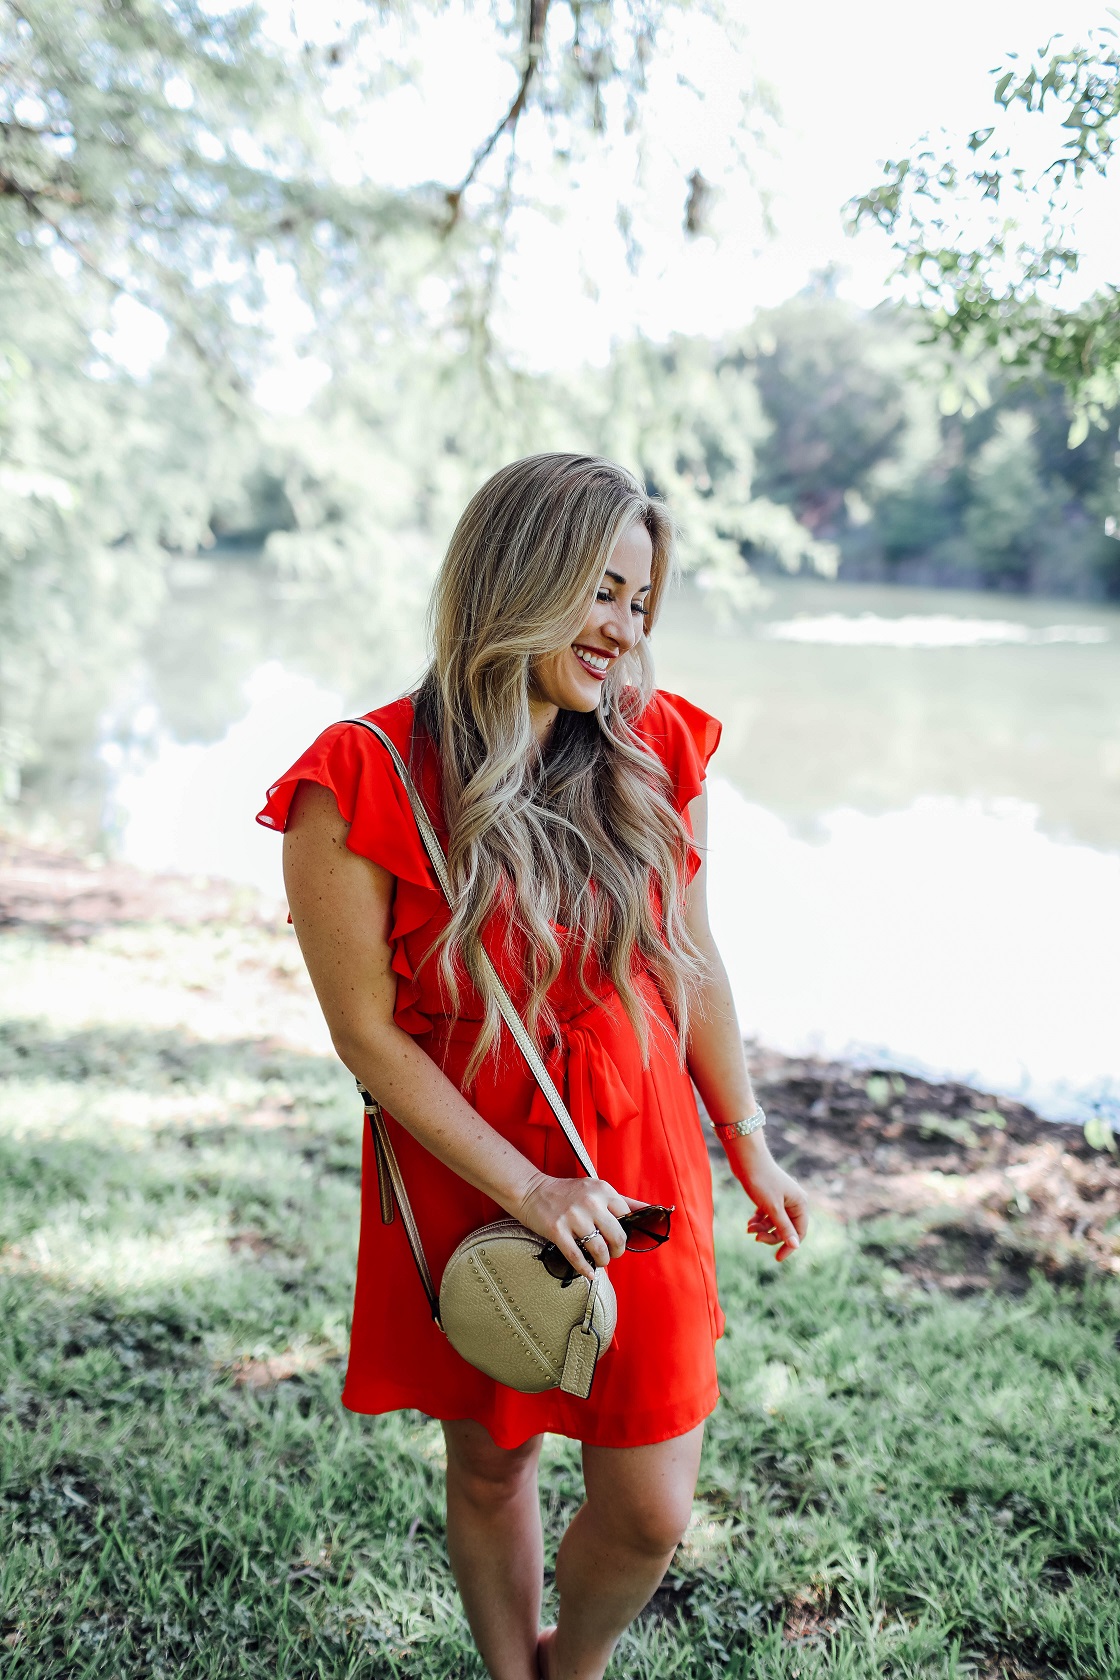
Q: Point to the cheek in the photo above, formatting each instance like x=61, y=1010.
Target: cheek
x=593, y=625
x=548, y=674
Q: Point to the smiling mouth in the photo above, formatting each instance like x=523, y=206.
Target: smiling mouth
x=596, y=664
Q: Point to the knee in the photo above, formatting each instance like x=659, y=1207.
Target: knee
x=485, y=1475
x=652, y=1525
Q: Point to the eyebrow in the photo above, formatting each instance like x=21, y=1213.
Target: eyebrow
x=614, y=577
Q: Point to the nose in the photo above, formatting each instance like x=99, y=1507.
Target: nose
x=623, y=626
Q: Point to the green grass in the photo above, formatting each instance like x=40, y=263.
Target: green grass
x=896, y=1482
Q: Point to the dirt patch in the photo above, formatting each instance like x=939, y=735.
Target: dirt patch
x=1002, y=1191
x=266, y=1372
x=1008, y=1667
x=811, y=1618
x=60, y=896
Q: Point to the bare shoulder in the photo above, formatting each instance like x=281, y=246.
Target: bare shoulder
x=314, y=811
x=320, y=872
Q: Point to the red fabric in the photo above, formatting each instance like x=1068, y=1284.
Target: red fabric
x=640, y=1125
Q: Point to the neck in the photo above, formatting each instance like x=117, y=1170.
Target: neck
x=542, y=717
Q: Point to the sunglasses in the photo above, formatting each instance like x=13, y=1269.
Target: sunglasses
x=646, y=1229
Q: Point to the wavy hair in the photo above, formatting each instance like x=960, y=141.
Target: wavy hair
x=583, y=836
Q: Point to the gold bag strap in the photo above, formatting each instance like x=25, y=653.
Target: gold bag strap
x=390, y=1181
x=508, y=1013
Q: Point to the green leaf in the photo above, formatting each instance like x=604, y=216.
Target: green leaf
x=1099, y=1134
x=944, y=1125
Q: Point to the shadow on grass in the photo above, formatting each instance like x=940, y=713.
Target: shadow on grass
x=135, y=1058
x=899, y=1482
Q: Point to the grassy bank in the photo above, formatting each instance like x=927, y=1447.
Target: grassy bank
x=907, y=1475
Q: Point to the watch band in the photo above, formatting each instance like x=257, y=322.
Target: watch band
x=725, y=1131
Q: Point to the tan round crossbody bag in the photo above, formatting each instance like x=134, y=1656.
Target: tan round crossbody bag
x=497, y=1304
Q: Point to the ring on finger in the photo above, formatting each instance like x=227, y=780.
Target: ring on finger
x=582, y=1242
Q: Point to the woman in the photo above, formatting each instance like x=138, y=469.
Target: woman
x=568, y=795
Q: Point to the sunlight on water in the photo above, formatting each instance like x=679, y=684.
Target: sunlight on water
x=952, y=936
x=925, y=630
x=191, y=809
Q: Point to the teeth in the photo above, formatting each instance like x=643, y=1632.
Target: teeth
x=598, y=661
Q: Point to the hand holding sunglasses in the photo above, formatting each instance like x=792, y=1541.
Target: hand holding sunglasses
x=646, y=1229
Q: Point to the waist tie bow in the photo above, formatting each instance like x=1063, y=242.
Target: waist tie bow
x=582, y=1068
x=594, y=1087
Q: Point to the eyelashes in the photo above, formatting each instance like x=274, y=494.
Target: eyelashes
x=636, y=606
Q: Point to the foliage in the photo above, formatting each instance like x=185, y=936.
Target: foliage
x=177, y=172
x=173, y=170
x=127, y=178
x=372, y=478
x=995, y=286
x=688, y=415
x=100, y=477
x=180, y=153
x=897, y=1482
x=843, y=392
x=971, y=483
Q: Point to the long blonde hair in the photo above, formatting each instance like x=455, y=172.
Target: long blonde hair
x=585, y=835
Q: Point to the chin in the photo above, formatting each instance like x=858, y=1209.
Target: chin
x=555, y=682
x=582, y=700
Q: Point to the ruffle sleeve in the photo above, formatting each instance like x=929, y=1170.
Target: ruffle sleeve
x=684, y=739
x=357, y=770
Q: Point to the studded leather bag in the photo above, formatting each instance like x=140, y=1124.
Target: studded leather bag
x=497, y=1303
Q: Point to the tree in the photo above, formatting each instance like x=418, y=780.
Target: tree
x=173, y=162
x=1007, y=499
x=854, y=433
x=837, y=386
x=986, y=246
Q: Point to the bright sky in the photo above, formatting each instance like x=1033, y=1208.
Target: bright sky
x=853, y=85
x=861, y=83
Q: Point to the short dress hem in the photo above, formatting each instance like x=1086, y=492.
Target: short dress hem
x=665, y=1428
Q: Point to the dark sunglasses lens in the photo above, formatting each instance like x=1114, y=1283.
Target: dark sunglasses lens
x=555, y=1263
x=646, y=1230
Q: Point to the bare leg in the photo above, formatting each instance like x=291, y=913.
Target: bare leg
x=495, y=1545
x=617, y=1548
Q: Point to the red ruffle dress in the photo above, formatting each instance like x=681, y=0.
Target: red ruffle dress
x=640, y=1126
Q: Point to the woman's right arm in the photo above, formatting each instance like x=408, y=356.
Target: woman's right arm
x=341, y=906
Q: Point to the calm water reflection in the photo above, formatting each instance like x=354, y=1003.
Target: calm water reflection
x=812, y=725
x=915, y=831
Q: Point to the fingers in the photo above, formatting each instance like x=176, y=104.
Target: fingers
x=581, y=1216
x=593, y=1222
x=780, y=1224
x=765, y=1235
x=597, y=1249
x=606, y=1240
x=576, y=1258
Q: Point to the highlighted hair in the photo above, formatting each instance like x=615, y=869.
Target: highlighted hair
x=585, y=836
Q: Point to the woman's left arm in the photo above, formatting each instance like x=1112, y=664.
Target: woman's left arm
x=718, y=1064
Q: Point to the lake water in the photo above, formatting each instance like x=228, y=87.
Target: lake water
x=915, y=808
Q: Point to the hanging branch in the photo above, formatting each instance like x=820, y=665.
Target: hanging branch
x=30, y=198
x=534, y=47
